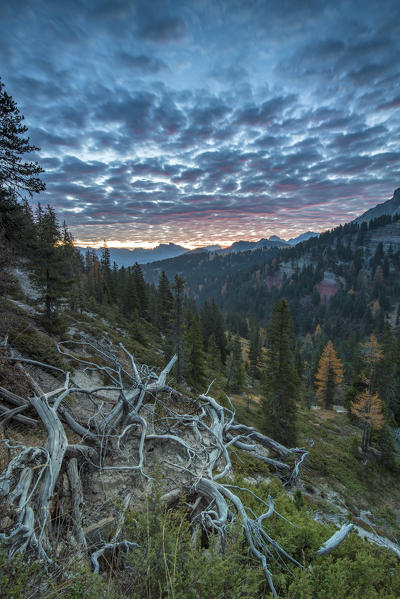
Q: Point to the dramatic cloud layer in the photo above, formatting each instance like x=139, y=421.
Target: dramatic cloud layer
x=206, y=122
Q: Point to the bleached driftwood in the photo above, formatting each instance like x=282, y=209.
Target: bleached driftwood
x=335, y=540
x=142, y=414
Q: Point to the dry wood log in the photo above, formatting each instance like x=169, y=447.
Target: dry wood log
x=196, y=440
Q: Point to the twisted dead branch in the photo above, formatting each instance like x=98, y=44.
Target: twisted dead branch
x=141, y=412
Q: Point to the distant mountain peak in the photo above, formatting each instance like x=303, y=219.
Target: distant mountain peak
x=276, y=238
x=128, y=256
x=390, y=207
x=303, y=237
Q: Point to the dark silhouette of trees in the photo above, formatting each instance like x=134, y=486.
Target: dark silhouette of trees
x=281, y=379
x=178, y=288
x=195, y=359
x=164, y=305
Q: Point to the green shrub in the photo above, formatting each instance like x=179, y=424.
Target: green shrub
x=243, y=463
x=16, y=575
x=37, y=346
x=169, y=563
x=298, y=499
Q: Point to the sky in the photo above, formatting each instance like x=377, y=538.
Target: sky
x=207, y=121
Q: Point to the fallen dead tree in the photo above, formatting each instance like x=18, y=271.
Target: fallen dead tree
x=121, y=424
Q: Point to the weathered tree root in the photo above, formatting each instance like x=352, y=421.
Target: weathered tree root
x=142, y=414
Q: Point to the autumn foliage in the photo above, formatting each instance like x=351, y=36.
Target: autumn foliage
x=329, y=375
x=368, y=409
x=368, y=406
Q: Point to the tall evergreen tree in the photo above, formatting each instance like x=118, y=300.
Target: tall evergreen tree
x=140, y=290
x=94, y=276
x=212, y=323
x=165, y=304
x=108, y=287
x=16, y=233
x=73, y=269
x=194, y=354
x=16, y=176
x=237, y=375
x=213, y=354
x=178, y=287
x=50, y=264
x=281, y=379
x=255, y=352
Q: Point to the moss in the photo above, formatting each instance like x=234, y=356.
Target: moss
x=37, y=346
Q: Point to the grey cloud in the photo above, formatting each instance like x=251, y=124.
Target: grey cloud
x=163, y=31
x=359, y=140
x=262, y=115
x=231, y=74
x=141, y=62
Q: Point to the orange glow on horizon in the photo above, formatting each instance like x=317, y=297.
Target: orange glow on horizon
x=198, y=240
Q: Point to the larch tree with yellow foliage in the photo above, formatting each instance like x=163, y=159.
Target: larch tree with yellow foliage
x=329, y=376
x=368, y=409
x=367, y=406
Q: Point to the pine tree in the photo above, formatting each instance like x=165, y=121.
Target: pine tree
x=255, y=353
x=237, y=374
x=16, y=222
x=108, y=287
x=16, y=176
x=73, y=269
x=329, y=376
x=194, y=354
x=281, y=381
x=16, y=231
x=213, y=354
x=140, y=290
x=50, y=264
x=165, y=304
x=212, y=323
x=388, y=375
x=219, y=330
x=178, y=288
x=94, y=280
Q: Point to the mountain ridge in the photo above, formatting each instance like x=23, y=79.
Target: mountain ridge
x=389, y=207
x=165, y=251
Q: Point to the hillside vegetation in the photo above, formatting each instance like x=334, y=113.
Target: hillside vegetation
x=157, y=446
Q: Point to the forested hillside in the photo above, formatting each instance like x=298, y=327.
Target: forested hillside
x=228, y=430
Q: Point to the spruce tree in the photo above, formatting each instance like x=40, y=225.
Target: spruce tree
x=194, y=354
x=212, y=323
x=50, y=264
x=94, y=276
x=140, y=290
x=213, y=354
x=237, y=374
x=255, y=352
x=282, y=383
x=16, y=176
x=165, y=304
x=219, y=330
x=178, y=288
x=105, y=261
